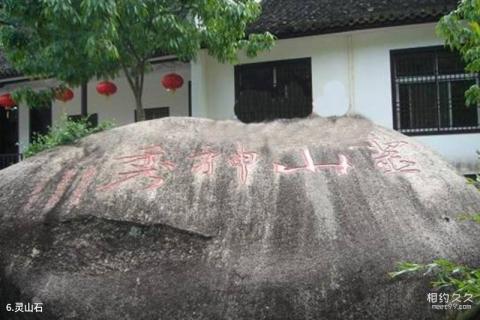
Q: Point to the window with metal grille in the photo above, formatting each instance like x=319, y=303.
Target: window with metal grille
x=273, y=90
x=428, y=86
x=154, y=113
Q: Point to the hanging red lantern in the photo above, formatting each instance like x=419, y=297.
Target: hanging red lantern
x=64, y=95
x=6, y=101
x=106, y=88
x=172, y=81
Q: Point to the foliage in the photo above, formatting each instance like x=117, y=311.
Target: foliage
x=461, y=31
x=34, y=98
x=64, y=132
x=461, y=279
x=75, y=41
x=469, y=217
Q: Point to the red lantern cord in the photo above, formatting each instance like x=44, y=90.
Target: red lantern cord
x=172, y=81
x=106, y=88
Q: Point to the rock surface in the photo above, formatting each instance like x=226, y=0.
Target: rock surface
x=184, y=218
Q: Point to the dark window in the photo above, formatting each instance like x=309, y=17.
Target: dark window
x=155, y=113
x=92, y=119
x=429, y=87
x=273, y=90
x=40, y=120
x=8, y=137
x=189, y=98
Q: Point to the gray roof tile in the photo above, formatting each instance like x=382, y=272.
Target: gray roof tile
x=294, y=18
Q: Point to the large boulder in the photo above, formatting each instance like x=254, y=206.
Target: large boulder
x=185, y=218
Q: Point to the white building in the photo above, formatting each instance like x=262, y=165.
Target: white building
x=381, y=59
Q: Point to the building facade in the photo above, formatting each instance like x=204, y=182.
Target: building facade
x=389, y=75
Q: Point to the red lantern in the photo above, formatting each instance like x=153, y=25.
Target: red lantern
x=6, y=101
x=172, y=81
x=106, y=88
x=64, y=95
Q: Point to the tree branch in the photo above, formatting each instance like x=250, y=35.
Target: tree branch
x=142, y=76
x=127, y=41
x=128, y=76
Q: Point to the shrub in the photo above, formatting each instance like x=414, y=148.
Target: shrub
x=461, y=279
x=64, y=132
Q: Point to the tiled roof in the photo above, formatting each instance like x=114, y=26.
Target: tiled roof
x=294, y=18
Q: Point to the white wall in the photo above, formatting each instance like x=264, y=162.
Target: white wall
x=373, y=93
x=199, y=82
x=23, y=127
x=328, y=57
x=120, y=106
x=348, y=69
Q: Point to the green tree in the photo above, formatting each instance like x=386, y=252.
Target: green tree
x=77, y=40
x=461, y=31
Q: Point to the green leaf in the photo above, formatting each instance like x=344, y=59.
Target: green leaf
x=461, y=31
x=64, y=132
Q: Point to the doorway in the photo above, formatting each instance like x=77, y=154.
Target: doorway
x=8, y=137
x=40, y=121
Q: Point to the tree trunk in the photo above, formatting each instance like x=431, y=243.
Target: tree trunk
x=135, y=81
x=140, y=112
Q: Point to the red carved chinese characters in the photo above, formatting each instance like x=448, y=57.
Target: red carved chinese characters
x=204, y=162
x=388, y=159
x=85, y=181
x=243, y=160
x=62, y=186
x=340, y=168
x=35, y=195
x=146, y=164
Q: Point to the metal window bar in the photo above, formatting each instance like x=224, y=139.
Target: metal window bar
x=477, y=81
x=419, y=105
x=437, y=85
x=450, y=105
x=273, y=90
